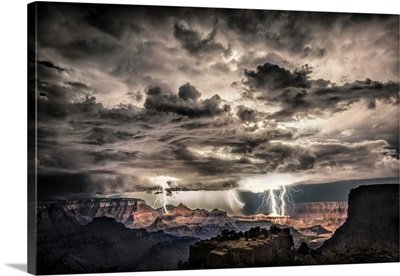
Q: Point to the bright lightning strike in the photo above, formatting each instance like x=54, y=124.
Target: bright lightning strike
x=164, y=183
x=282, y=198
x=275, y=192
x=273, y=201
x=234, y=202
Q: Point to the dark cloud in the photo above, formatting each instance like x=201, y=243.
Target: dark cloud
x=362, y=154
x=277, y=29
x=107, y=155
x=101, y=136
x=87, y=185
x=188, y=91
x=91, y=47
x=75, y=100
x=159, y=99
x=246, y=114
x=366, y=89
x=104, y=19
x=297, y=94
x=297, y=32
x=49, y=64
x=79, y=85
x=284, y=157
x=272, y=77
x=53, y=100
x=194, y=43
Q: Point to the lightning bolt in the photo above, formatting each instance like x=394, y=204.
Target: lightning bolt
x=277, y=204
x=268, y=201
x=289, y=196
x=274, y=190
x=161, y=198
x=282, y=198
x=273, y=201
x=234, y=201
x=163, y=183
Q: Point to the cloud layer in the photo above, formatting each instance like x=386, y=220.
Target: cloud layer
x=211, y=97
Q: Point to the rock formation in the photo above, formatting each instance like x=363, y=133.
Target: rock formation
x=103, y=245
x=373, y=219
x=370, y=233
x=330, y=215
x=256, y=247
x=136, y=214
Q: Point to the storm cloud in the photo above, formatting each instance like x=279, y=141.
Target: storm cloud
x=185, y=102
x=211, y=97
x=195, y=44
x=298, y=94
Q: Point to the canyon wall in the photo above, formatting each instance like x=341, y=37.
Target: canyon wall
x=373, y=219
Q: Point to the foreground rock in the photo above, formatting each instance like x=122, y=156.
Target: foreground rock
x=370, y=233
x=103, y=245
x=256, y=247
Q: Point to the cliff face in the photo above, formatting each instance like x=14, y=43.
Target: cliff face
x=373, y=219
x=330, y=215
x=133, y=213
x=84, y=211
x=143, y=216
x=184, y=216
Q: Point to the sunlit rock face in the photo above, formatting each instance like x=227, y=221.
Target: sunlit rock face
x=330, y=215
x=135, y=213
x=313, y=222
x=130, y=212
x=183, y=215
x=144, y=215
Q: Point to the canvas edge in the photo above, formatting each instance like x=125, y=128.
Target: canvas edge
x=32, y=139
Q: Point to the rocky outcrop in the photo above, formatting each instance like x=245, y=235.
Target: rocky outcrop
x=370, y=233
x=256, y=247
x=373, y=219
x=143, y=216
x=157, y=225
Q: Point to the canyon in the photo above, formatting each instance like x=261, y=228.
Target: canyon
x=182, y=221
x=126, y=234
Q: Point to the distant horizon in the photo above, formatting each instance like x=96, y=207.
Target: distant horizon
x=338, y=194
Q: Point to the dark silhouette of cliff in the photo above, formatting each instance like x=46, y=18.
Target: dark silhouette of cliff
x=103, y=245
x=373, y=219
x=371, y=231
x=256, y=247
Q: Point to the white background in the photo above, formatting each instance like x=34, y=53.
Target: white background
x=13, y=134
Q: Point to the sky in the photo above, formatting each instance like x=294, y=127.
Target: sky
x=134, y=99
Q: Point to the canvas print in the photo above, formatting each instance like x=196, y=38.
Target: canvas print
x=178, y=138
